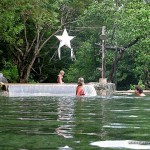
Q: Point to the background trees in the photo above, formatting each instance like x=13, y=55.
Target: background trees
x=127, y=28
x=27, y=26
x=29, y=47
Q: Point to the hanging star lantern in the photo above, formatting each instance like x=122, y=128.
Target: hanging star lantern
x=65, y=41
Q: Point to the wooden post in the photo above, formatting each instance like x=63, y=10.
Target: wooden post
x=115, y=68
x=103, y=37
x=103, y=80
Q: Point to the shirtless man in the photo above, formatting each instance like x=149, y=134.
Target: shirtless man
x=139, y=91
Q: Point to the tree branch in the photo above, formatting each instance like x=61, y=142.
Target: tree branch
x=19, y=50
x=48, y=39
x=25, y=35
x=119, y=57
x=126, y=46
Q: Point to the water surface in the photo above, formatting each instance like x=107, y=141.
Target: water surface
x=72, y=123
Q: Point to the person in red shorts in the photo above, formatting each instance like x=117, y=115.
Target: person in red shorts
x=79, y=88
x=60, y=77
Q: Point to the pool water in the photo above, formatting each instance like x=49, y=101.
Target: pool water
x=73, y=123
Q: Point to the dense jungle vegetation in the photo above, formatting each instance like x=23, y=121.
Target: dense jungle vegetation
x=28, y=46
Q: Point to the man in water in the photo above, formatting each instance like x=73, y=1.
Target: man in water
x=139, y=91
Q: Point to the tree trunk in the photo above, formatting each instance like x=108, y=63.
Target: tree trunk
x=25, y=63
x=25, y=69
x=121, y=51
x=115, y=62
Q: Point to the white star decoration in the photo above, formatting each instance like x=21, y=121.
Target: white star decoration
x=65, y=41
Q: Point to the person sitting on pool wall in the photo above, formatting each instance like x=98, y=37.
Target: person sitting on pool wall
x=139, y=91
x=3, y=80
x=79, y=88
x=60, y=77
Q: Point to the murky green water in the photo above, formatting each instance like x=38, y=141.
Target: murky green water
x=71, y=123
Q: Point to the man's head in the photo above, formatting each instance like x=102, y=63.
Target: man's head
x=138, y=89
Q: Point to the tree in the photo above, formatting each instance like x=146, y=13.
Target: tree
x=127, y=27
x=131, y=30
x=27, y=26
x=68, y=16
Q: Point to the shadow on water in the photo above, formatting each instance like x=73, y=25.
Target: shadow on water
x=66, y=123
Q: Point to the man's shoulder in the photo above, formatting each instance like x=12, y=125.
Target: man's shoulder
x=142, y=94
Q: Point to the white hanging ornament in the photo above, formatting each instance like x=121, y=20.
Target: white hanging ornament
x=64, y=41
x=72, y=55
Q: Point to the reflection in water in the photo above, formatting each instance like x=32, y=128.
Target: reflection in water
x=65, y=148
x=123, y=144
x=115, y=125
x=65, y=115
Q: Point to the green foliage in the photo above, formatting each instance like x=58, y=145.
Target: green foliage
x=84, y=66
x=132, y=87
x=27, y=26
x=15, y=15
x=10, y=72
x=130, y=21
x=140, y=83
x=22, y=21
